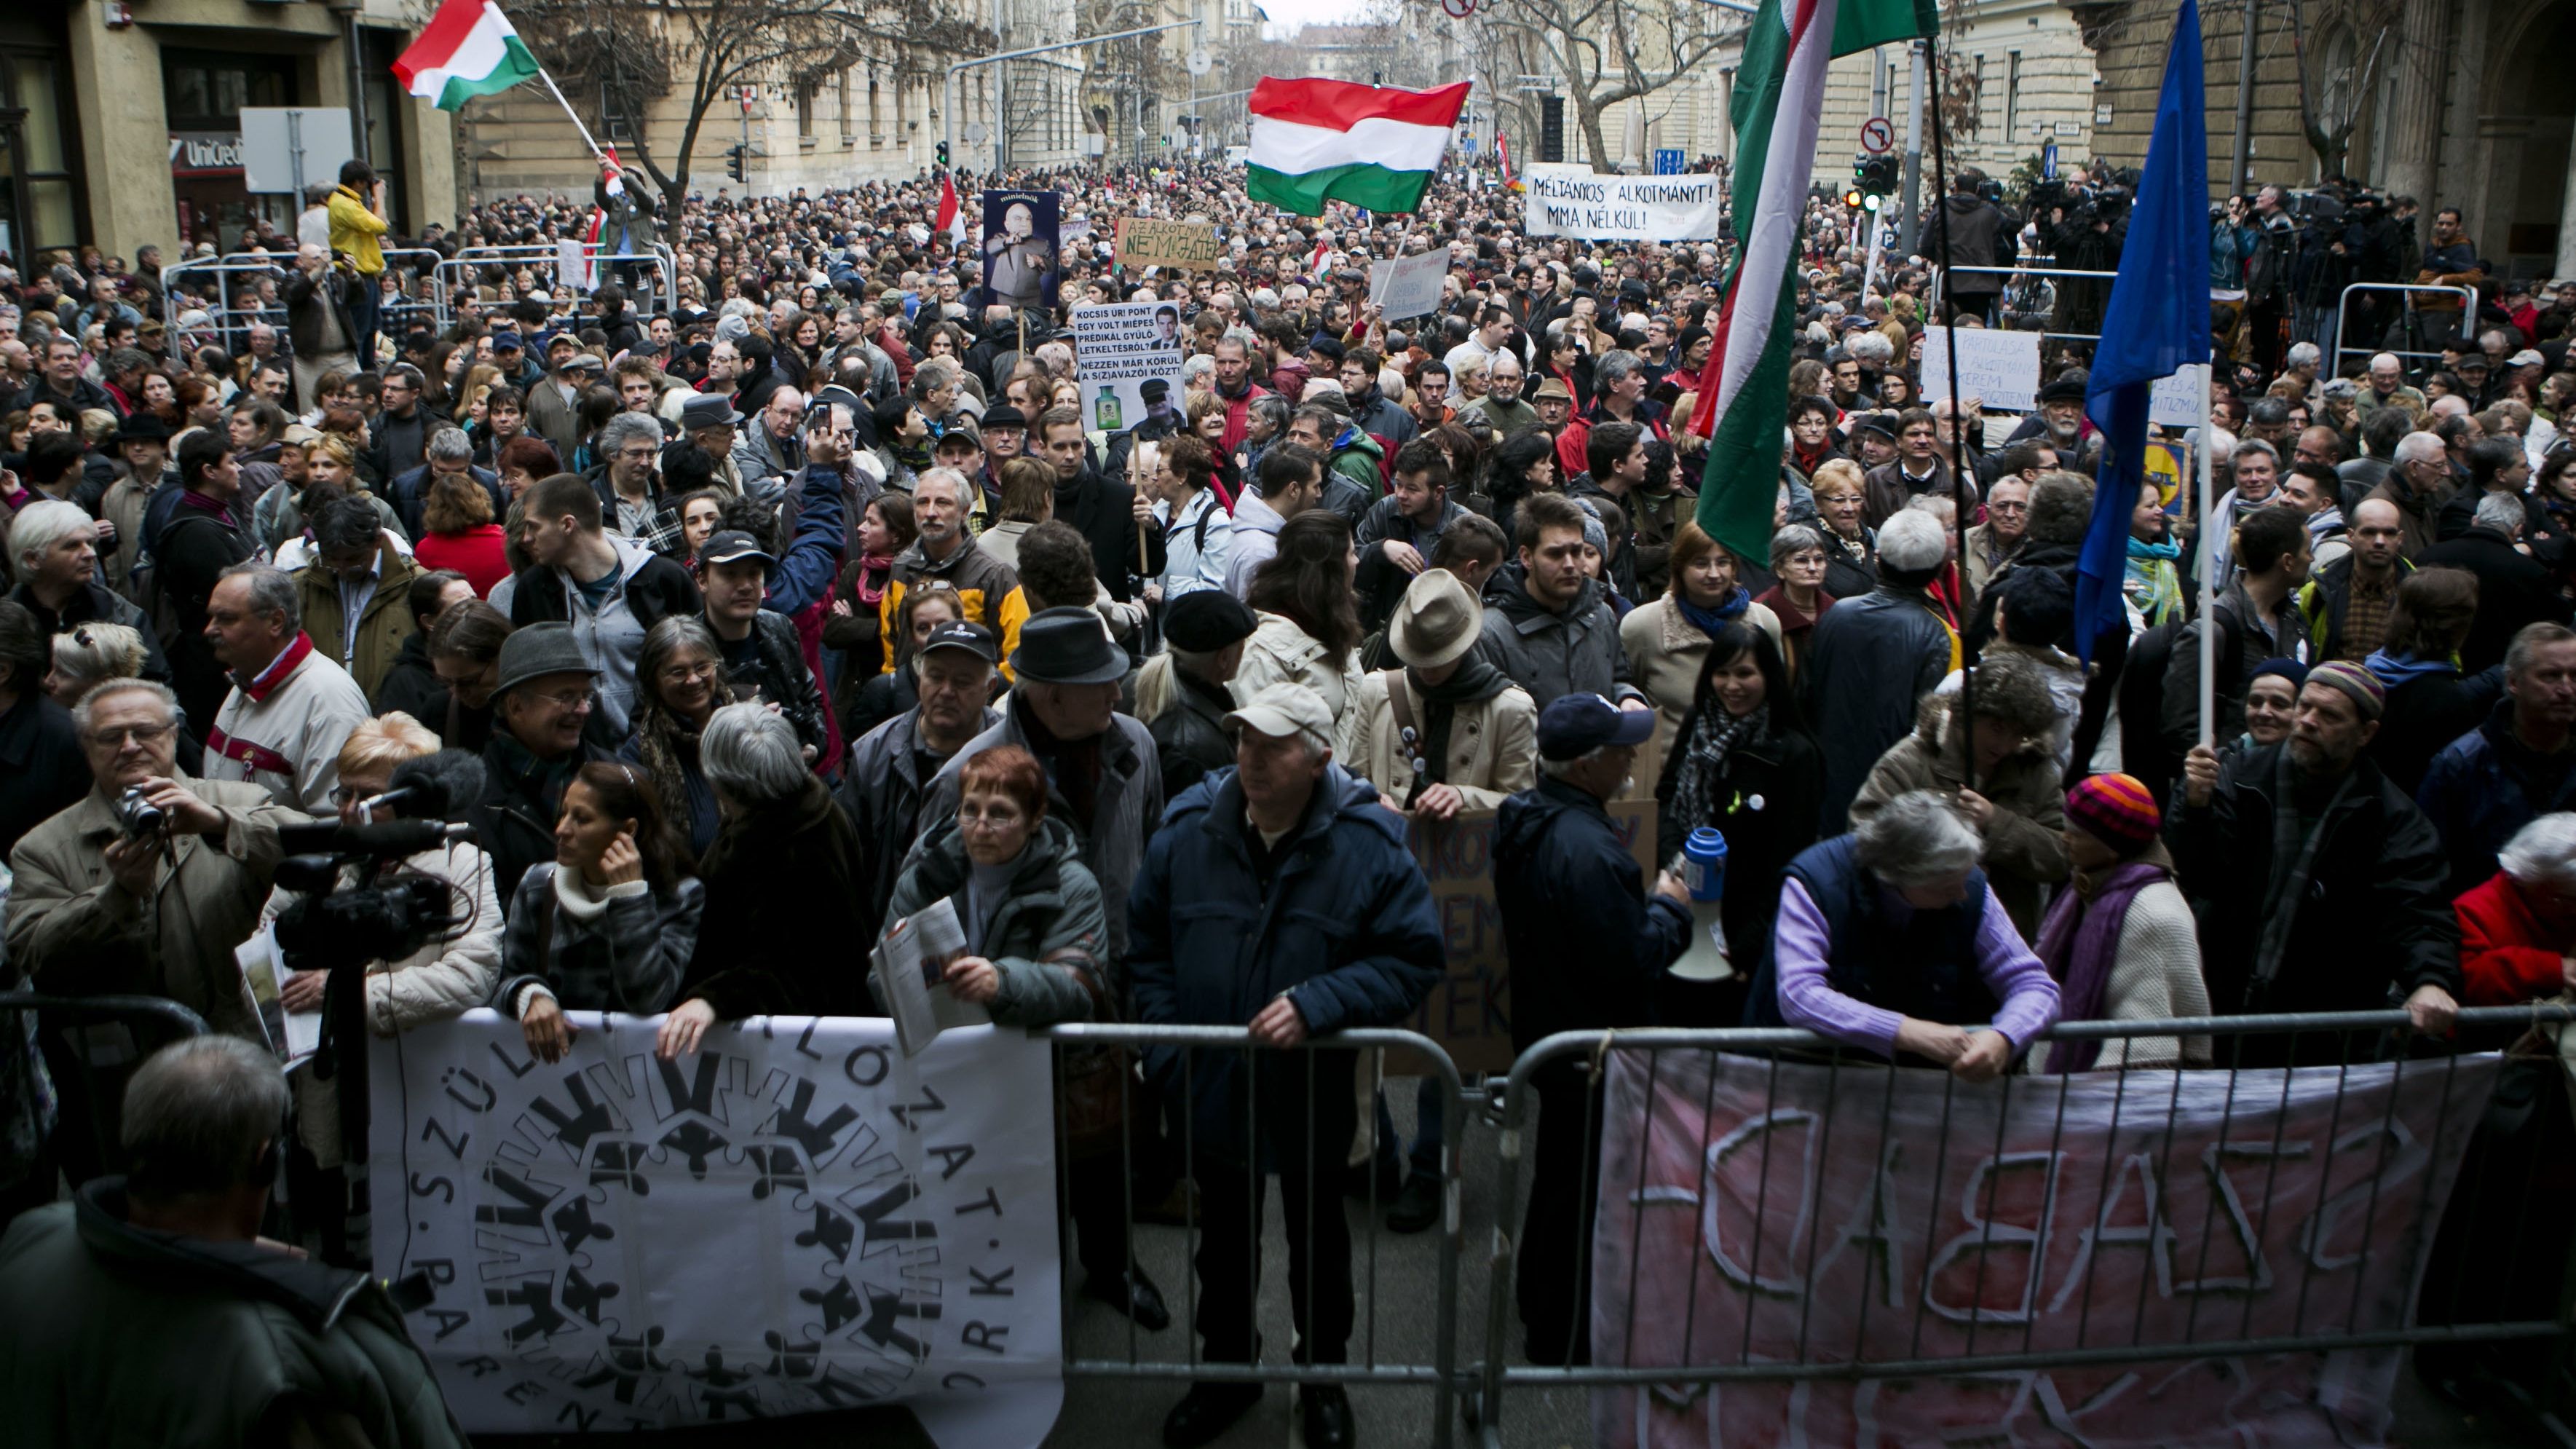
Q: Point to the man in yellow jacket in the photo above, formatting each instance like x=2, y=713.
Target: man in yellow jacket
x=357, y=219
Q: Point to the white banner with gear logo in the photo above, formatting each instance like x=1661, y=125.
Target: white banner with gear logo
x=794, y=1219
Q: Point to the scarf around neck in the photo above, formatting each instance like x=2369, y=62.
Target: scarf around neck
x=2079, y=943
x=1709, y=621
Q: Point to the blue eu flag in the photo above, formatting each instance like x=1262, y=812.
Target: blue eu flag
x=2157, y=322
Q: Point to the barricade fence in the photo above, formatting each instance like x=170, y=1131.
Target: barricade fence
x=1838, y=1245
x=1831, y=1245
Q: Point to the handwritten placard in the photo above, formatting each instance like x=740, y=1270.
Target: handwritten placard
x=1148, y=242
x=1999, y=369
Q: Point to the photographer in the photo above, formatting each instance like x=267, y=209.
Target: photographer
x=2087, y=237
x=320, y=321
x=164, y=1310
x=441, y=979
x=154, y=906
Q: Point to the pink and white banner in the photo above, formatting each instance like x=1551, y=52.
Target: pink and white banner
x=1791, y=1214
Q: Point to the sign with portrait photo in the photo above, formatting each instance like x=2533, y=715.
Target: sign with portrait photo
x=1022, y=248
x=1128, y=357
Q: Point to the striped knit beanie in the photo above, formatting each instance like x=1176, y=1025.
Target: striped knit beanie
x=2114, y=809
x=2363, y=687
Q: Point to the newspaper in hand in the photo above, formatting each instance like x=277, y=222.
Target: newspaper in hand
x=908, y=964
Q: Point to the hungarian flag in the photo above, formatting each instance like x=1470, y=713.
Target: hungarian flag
x=952, y=217
x=1503, y=150
x=468, y=49
x=1373, y=147
x=1744, y=393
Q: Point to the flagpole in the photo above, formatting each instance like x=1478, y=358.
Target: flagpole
x=2208, y=570
x=548, y=77
x=1959, y=460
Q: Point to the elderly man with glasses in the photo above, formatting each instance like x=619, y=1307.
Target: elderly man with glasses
x=148, y=883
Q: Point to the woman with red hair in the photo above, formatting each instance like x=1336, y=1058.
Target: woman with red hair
x=1036, y=953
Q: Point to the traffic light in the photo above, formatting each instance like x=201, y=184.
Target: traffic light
x=737, y=163
x=1874, y=175
x=1851, y=198
x=943, y=155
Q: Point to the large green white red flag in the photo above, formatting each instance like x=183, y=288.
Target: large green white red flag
x=1744, y=394
x=1372, y=146
x=468, y=49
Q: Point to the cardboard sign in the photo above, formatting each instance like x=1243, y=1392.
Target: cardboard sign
x=2174, y=402
x=1469, y=1012
x=1623, y=208
x=1999, y=369
x=1148, y=242
x=1777, y=1212
x=1409, y=286
x=1128, y=357
x=794, y=1218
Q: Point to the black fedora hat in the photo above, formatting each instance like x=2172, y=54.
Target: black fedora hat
x=1067, y=646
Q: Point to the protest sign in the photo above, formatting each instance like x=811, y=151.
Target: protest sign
x=1022, y=237
x=1755, y=1211
x=1409, y=286
x=1149, y=242
x=1999, y=369
x=1128, y=356
x=2174, y=402
x=795, y=1218
x=1469, y=1011
x=1622, y=208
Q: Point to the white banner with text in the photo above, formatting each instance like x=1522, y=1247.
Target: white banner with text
x=793, y=1219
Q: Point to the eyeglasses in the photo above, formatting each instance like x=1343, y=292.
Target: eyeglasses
x=342, y=796
x=140, y=734
x=568, y=700
x=970, y=818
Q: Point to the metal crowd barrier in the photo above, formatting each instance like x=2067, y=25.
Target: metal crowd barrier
x=2344, y=1041
x=1940, y=281
x=458, y=273
x=91, y=1045
x=2407, y=292
x=1376, y=1354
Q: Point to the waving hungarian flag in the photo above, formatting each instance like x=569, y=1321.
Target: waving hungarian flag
x=951, y=218
x=1374, y=147
x=468, y=49
x=1744, y=392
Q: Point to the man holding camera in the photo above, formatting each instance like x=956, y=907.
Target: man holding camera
x=147, y=884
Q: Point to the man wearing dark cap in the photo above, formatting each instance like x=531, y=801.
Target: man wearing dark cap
x=1205, y=629
x=1229, y=928
x=2326, y=886
x=517, y=368
x=710, y=422
x=1104, y=781
x=760, y=645
x=541, y=703
x=892, y=764
x=1586, y=943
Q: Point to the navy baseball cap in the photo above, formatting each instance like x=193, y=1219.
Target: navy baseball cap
x=1578, y=724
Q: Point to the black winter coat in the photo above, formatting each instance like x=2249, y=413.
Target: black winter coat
x=780, y=933
x=411, y=686
x=2513, y=590
x=1587, y=945
x=1768, y=801
x=2373, y=923
x=1190, y=738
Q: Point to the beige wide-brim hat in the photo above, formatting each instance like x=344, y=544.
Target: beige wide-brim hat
x=1437, y=622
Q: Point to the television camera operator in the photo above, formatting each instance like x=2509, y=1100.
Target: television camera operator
x=420, y=919
x=2082, y=227
x=167, y=1319
x=147, y=885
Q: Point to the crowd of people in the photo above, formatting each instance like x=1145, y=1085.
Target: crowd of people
x=777, y=600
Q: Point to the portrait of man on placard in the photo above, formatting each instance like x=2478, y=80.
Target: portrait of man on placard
x=1020, y=247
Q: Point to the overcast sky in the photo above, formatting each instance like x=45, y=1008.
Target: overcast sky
x=1285, y=13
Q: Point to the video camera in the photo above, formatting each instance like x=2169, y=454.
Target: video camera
x=330, y=925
